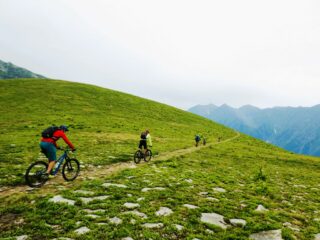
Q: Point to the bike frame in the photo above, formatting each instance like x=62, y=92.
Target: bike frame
x=59, y=162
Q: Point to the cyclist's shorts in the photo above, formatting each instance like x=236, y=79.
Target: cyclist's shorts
x=143, y=143
x=49, y=150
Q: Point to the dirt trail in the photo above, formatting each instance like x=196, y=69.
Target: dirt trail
x=92, y=173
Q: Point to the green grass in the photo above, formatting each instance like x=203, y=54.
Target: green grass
x=105, y=125
x=251, y=171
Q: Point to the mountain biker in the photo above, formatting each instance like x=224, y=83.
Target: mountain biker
x=143, y=141
x=197, y=138
x=49, y=146
x=204, y=141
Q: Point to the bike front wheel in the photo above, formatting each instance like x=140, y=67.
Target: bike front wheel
x=35, y=174
x=137, y=156
x=70, y=169
x=148, y=155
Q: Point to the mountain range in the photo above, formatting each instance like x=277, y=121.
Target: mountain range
x=9, y=70
x=296, y=129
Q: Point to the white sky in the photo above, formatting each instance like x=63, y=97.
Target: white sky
x=179, y=52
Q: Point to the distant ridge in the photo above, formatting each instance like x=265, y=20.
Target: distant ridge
x=296, y=129
x=10, y=71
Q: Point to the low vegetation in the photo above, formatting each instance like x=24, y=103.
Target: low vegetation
x=229, y=178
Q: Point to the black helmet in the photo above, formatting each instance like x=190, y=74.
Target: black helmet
x=64, y=128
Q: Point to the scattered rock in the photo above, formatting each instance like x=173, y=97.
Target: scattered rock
x=213, y=199
x=189, y=180
x=101, y=224
x=60, y=199
x=203, y=193
x=190, y=206
x=267, y=235
x=317, y=236
x=209, y=231
x=82, y=230
x=261, y=208
x=220, y=190
x=164, y=211
x=22, y=237
x=140, y=199
x=214, y=219
x=155, y=188
x=92, y=216
x=94, y=211
x=106, y=185
x=84, y=192
x=87, y=200
x=292, y=227
x=137, y=213
x=178, y=227
x=127, y=238
x=115, y=220
x=131, y=205
x=152, y=225
x=238, y=222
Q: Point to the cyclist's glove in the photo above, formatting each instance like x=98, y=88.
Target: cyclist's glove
x=73, y=150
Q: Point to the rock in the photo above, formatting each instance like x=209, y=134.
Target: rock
x=214, y=219
x=152, y=225
x=189, y=180
x=213, y=199
x=127, y=238
x=82, y=230
x=209, y=231
x=203, y=193
x=101, y=224
x=261, y=208
x=292, y=227
x=140, y=199
x=84, y=192
x=60, y=199
x=115, y=220
x=238, y=222
x=178, y=227
x=94, y=211
x=137, y=213
x=164, y=211
x=317, y=236
x=22, y=237
x=106, y=185
x=87, y=200
x=190, y=206
x=155, y=188
x=133, y=221
x=92, y=216
x=220, y=190
x=267, y=235
x=129, y=195
x=131, y=205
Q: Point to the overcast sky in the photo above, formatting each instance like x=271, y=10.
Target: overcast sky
x=183, y=53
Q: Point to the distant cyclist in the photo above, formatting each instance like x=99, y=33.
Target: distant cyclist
x=143, y=141
x=197, y=138
x=49, y=146
x=204, y=141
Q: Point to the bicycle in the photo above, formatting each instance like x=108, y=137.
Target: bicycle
x=35, y=174
x=138, y=155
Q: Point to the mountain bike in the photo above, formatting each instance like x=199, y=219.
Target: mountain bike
x=35, y=174
x=139, y=154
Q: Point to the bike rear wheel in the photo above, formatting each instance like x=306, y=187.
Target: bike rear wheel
x=137, y=156
x=35, y=174
x=70, y=169
x=148, y=155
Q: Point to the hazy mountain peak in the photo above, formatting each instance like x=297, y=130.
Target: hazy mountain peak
x=9, y=70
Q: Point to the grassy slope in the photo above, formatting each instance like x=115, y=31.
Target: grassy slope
x=287, y=185
x=105, y=124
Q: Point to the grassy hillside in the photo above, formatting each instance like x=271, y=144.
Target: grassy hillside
x=230, y=178
x=105, y=124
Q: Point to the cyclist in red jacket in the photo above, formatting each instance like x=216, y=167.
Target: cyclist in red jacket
x=49, y=145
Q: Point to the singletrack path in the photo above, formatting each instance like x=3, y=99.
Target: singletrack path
x=92, y=173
